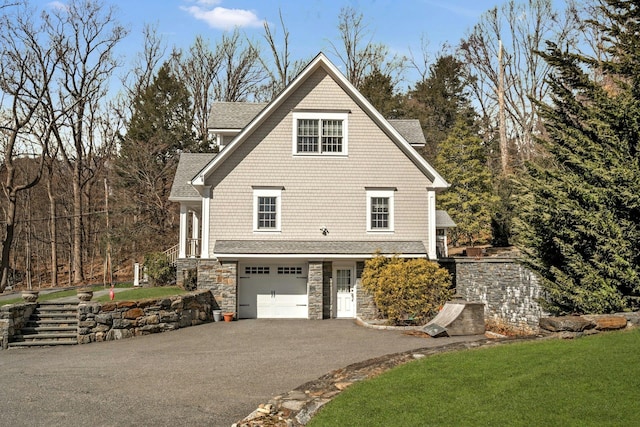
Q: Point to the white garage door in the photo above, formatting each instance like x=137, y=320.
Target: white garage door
x=273, y=291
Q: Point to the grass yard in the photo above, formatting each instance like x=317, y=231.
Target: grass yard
x=591, y=381
x=58, y=294
x=143, y=293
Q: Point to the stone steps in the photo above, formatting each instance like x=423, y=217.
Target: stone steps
x=50, y=324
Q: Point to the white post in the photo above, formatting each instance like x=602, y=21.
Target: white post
x=431, y=209
x=136, y=274
x=184, y=225
x=206, y=206
x=195, y=233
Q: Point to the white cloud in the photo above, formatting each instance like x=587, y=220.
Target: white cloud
x=221, y=17
x=57, y=5
x=208, y=2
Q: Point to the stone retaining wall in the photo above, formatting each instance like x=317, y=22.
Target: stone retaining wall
x=12, y=319
x=119, y=320
x=509, y=291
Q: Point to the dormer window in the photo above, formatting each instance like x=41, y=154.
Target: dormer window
x=320, y=133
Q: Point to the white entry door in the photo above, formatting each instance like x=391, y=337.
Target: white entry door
x=345, y=292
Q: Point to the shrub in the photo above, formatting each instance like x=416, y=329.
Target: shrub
x=158, y=268
x=405, y=290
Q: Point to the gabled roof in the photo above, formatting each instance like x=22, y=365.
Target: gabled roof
x=321, y=61
x=410, y=129
x=233, y=115
x=188, y=166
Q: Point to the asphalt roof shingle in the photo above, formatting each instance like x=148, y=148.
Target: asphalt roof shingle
x=233, y=115
x=410, y=130
x=237, y=115
x=188, y=166
x=317, y=247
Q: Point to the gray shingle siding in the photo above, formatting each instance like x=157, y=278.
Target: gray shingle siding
x=318, y=190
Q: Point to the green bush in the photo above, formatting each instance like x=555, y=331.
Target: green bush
x=158, y=268
x=406, y=290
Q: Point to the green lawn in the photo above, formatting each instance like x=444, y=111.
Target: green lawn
x=64, y=293
x=591, y=381
x=143, y=293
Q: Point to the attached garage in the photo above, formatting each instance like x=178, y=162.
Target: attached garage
x=272, y=290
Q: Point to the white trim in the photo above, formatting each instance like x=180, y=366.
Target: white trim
x=320, y=115
x=312, y=257
x=206, y=220
x=351, y=266
x=195, y=233
x=432, y=235
x=267, y=192
x=182, y=241
x=389, y=194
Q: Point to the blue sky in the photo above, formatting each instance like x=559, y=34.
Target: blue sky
x=312, y=24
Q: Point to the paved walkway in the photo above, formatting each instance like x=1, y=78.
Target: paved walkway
x=213, y=374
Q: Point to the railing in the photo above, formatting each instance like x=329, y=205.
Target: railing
x=193, y=251
x=172, y=254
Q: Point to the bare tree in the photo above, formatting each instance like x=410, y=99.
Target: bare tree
x=359, y=55
x=27, y=64
x=283, y=71
x=502, y=53
x=241, y=72
x=87, y=32
x=198, y=70
x=145, y=63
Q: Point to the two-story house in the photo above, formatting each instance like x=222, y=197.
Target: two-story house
x=304, y=189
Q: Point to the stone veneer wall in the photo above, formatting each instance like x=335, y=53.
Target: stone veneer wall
x=366, y=308
x=183, y=266
x=221, y=279
x=314, y=291
x=119, y=320
x=327, y=292
x=13, y=318
x=508, y=290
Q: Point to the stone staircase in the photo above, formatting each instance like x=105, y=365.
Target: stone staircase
x=52, y=323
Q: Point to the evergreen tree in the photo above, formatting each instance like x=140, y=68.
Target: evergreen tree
x=160, y=128
x=439, y=100
x=470, y=200
x=580, y=219
x=378, y=88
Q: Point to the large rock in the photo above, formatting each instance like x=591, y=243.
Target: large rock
x=133, y=314
x=566, y=323
x=608, y=322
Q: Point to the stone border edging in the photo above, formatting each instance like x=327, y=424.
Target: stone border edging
x=364, y=323
x=297, y=407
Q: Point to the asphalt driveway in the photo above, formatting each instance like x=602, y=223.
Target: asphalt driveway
x=212, y=374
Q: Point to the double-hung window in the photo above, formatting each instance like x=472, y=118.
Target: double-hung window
x=320, y=133
x=380, y=210
x=266, y=209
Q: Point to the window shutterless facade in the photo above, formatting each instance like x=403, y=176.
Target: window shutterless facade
x=320, y=133
x=266, y=209
x=380, y=210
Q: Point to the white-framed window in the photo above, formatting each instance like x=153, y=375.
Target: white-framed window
x=320, y=133
x=266, y=209
x=380, y=210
